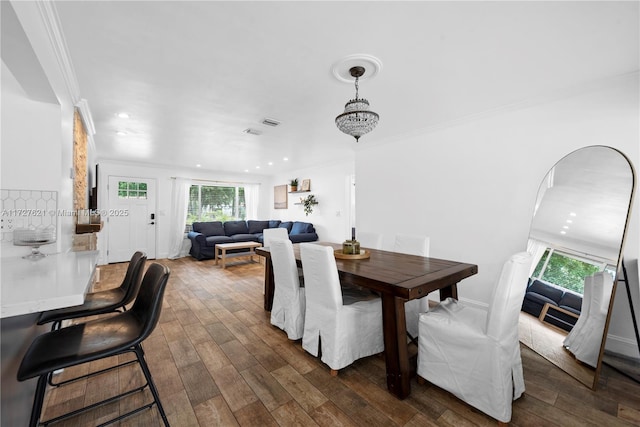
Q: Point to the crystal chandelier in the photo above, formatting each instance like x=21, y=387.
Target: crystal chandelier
x=357, y=119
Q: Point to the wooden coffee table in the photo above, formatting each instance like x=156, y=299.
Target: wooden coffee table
x=222, y=248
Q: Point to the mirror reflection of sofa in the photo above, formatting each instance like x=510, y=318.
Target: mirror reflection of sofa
x=206, y=235
x=561, y=303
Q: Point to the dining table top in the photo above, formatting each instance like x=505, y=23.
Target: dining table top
x=403, y=275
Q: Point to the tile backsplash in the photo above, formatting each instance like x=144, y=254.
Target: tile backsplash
x=26, y=208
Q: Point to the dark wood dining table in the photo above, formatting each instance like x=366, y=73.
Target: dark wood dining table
x=397, y=278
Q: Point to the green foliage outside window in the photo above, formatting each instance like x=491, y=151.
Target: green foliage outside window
x=132, y=190
x=565, y=271
x=215, y=203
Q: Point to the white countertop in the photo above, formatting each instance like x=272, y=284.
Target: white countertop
x=55, y=281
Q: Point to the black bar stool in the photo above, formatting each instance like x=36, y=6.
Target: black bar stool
x=102, y=302
x=98, y=339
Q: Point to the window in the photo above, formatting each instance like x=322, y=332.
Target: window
x=566, y=270
x=215, y=203
x=132, y=190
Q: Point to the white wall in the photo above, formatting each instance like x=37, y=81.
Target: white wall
x=37, y=137
x=330, y=185
x=472, y=187
x=28, y=150
x=29, y=153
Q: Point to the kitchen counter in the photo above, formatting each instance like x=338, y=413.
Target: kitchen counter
x=55, y=281
x=28, y=287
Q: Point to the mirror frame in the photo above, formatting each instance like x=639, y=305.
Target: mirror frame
x=597, y=370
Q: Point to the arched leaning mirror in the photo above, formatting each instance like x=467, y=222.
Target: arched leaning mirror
x=577, y=234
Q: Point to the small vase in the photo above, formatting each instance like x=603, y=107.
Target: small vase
x=351, y=247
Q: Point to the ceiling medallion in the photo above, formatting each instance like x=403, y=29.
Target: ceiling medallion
x=357, y=119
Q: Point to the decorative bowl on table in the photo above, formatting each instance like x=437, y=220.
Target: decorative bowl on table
x=34, y=237
x=362, y=254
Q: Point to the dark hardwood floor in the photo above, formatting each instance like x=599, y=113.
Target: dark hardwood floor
x=217, y=360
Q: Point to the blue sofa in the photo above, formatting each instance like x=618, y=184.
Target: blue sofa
x=206, y=235
x=540, y=292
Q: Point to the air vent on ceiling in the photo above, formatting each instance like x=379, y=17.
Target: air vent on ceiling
x=251, y=131
x=270, y=122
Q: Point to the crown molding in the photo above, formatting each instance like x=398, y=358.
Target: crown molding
x=51, y=22
x=87, y=119
x=85, y=113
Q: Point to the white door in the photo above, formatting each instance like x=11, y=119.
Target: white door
x=131, y=218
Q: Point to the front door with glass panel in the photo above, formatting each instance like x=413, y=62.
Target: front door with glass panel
x=131, y=218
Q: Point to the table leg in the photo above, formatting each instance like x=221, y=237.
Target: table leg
x=268, y=284
x=223, y=255
x=449, y=291
x=395, y=346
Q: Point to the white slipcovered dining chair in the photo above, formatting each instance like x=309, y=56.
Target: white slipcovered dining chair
x=342, y=328
x=475, y=354
x=586, y=347
x=273, y=233
x=287, y=312
x=370, y=240
x=278, y=233
x=578, y=329
x=413, y=245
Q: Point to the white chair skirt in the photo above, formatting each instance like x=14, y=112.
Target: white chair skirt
x=355, y=332
x=288, y=309
x=288, y=315
x=481, y=371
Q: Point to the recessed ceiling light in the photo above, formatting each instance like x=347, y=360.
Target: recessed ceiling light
x=121, y=133
x=198, y=165
x=569, y=221
x=257, y=167
x=123, y=115
x=566, y=227
x=563, y=232
x=285, y=159
x=246, y=170
x=252, y=131
x=572, y=214
x=270, y=122
x=270, y=163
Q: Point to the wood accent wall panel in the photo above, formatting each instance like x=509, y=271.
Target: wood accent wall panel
x=80, y=184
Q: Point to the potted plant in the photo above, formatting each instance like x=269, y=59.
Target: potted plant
x=308, y=203
x=294, y=184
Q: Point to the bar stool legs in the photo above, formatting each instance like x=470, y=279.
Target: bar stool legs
x=41, y=388
x=97, y=339
x=44, y=379
x=152, y=386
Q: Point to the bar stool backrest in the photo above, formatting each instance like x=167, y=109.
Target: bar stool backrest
x=133, y=278
x=148, y=304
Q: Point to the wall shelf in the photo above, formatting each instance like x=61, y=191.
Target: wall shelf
x=305, y=191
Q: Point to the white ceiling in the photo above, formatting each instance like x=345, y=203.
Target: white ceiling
x=194, y=75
